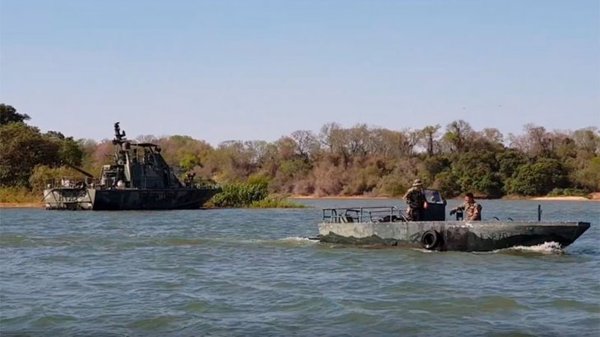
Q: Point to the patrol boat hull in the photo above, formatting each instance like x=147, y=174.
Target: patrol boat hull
x=453, y=235
x=126, y=199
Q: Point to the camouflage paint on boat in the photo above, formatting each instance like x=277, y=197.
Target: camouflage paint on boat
x=139, y=179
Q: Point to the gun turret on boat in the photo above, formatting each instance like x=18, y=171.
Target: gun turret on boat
x=390, y=226
x=139, y=178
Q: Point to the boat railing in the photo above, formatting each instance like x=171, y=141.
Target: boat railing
x=363, y=214
x=71, y=183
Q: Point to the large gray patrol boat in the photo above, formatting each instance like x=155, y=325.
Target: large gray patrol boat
x=139, y=179
x=388, y=226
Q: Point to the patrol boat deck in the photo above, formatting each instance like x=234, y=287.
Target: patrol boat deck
x=388, y=226
x=139, y=179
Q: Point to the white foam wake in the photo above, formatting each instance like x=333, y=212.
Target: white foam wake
x=298, y=239
x=545, y=248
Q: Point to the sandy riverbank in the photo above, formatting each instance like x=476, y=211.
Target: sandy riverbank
x=567, y=198
x=354, y=197
x=21, y=205
x=592, y=197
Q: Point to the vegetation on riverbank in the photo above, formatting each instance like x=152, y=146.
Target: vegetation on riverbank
x=254, y=194
x=18, y=195
x=338, y=161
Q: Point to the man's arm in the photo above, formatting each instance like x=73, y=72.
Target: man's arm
x=458, y=208
x=407, y=194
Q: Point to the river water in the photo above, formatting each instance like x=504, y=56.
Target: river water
x=247, y=272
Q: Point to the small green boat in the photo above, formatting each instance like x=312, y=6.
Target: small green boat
x=388, y=226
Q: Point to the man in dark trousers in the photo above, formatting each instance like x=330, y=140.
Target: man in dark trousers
x=415, y=198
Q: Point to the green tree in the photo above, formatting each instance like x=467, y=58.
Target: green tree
x=188, y=162
x=458, y=135
x=69, y=151
x=589, y=176
x=393, y=185
x=241, y=194
x=539, y=178
x=477, y=172
x=43, y=175
x=434, y=165
x=447, y=183
x=24, y=147
x=8, y=114
x=509, y=162
x=184, y=151
x=232, y=161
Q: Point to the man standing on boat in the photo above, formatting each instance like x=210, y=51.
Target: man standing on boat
x=472, y=208
x=415, y=198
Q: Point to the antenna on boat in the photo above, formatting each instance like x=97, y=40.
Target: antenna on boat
x=119, y=135
x=539, y=213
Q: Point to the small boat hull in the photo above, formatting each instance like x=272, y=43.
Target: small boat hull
x=453, y=235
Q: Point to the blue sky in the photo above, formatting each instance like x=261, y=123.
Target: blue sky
x=258, y=70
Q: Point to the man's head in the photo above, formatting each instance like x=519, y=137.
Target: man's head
x=469, y=197
x=417, y=183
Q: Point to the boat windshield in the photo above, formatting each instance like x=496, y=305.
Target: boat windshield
x=434, y=197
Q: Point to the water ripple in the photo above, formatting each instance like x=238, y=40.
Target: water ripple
x=254, y=272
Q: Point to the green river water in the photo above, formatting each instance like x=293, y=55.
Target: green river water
x=247, y=272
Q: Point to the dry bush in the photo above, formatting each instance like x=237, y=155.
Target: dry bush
x=328, y=180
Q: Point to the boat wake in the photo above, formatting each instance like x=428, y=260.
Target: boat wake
x=299, y=240
x=289, y=242
x=423, y=250
x=546, y=248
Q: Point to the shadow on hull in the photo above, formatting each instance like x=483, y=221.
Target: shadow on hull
x=135, y=199
x=152, y=200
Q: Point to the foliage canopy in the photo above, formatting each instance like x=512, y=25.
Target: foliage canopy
x=337, y=161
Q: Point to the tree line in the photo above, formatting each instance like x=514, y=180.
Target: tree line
x=336, y=161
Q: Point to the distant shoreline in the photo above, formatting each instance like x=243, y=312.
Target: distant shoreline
x=595, y=197
x=21, y=205
x=358, y=197
x=565, y=198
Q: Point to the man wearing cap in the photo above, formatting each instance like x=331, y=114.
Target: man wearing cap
x=415, y=198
